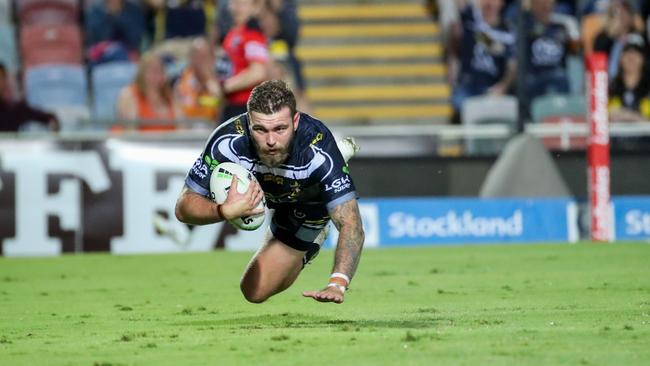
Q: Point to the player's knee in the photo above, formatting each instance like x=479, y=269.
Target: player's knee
x=252, y=295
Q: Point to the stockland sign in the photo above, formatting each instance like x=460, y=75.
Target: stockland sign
x=632, y=217
x=421, y=221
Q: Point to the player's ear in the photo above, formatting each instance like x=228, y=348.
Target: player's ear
x=296, y=119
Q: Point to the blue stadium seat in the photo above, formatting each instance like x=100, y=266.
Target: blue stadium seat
x=576, y=71
x=558, y=105
x=5, y=12
x=107, y=81
x=8, y=50
x=489, y=109
x=52, y=86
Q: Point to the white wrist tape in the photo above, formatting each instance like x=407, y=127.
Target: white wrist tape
x=341, y=288
x=341, y=275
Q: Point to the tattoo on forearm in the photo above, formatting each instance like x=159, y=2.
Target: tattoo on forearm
x=347, y=219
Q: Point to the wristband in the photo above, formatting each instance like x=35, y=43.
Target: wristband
x=341, y=276
x=340, y=287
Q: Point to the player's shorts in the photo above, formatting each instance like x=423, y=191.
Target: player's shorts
x=299, y=230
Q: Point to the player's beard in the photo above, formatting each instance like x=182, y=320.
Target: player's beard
x=279, y=155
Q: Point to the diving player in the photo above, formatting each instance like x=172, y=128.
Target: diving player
x=303, y=176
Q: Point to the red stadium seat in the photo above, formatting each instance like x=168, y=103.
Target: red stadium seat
x=50, y=45
x=47, y=12
x=567, y=143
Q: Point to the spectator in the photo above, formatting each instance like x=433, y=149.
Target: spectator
x=247, y=56
x=629, y=98
x=197, y=91
x=175, y=23
x=550, y=38
x=114, y=30
x=280, y=23
x=149, y=98
x=621, y=21
x=16, y=113
x=480, y=53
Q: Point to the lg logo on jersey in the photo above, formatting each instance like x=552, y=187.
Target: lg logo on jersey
x=339, y=184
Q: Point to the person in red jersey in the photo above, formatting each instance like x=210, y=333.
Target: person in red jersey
x=247, y=55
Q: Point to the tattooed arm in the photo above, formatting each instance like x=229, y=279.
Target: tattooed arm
x=347, y=219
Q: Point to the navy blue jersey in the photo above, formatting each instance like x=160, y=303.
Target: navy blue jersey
x=549, y=44
x=312, y=181
x=484, y=51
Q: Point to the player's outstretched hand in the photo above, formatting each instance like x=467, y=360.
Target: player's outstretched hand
x=328, y=294
x=242, y=204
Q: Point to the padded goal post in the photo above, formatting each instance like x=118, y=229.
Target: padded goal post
x=598, y=172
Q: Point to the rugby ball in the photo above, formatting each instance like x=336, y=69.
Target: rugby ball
x=220, y=185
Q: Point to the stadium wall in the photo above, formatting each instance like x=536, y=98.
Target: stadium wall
x=59, y=195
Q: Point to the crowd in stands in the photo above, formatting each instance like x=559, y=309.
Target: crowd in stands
x=482, y=50
x=145, y=64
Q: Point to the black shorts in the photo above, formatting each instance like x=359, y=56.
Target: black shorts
x=299, y=230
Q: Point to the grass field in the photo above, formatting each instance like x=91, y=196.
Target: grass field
x=477, y=305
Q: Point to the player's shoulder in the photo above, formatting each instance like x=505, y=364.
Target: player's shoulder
x=230, y=139
x=237, y=125
x=312, y=131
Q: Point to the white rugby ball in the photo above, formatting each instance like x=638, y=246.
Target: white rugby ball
x=220, y=185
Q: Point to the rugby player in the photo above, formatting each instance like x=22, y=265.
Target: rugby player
x=304, y=178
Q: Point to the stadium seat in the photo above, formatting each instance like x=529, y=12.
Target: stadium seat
x=558, y=105
x=50, y=45
x=576, y=72
x=563, y=110
x=8, y=51
x=55, y=86
x=47, y=12
x=5, y=12
x=71, y=117
x=488, y=109
x=107, y=81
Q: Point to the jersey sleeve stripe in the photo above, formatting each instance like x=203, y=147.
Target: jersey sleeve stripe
x=344, y=198
x=195, y=186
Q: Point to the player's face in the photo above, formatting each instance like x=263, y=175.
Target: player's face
x=272, y=134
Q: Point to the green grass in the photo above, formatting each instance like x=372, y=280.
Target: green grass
x=478, y=305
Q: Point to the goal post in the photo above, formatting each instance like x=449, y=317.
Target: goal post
x=598, y=168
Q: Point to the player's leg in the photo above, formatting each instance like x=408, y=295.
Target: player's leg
x=272, y=269
x=277, y=264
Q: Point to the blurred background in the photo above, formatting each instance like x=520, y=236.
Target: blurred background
x=104, y=105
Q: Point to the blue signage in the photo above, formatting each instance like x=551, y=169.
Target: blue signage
x=632, y=217
x=426, y=221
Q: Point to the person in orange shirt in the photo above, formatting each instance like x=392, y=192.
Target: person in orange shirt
x=149, y=98
x=197, y=91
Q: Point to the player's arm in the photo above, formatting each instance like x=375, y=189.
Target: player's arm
x=347, y=219
x=193, y=208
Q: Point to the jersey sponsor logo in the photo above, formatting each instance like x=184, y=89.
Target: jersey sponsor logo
x=547, y=52
x=295, y=190
x=299, y=214
x=339, y=184
x=239, y=127
x=200, y=169
x=483, y=60
x=318, y=137
x=212, y=163
x=273, y=178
